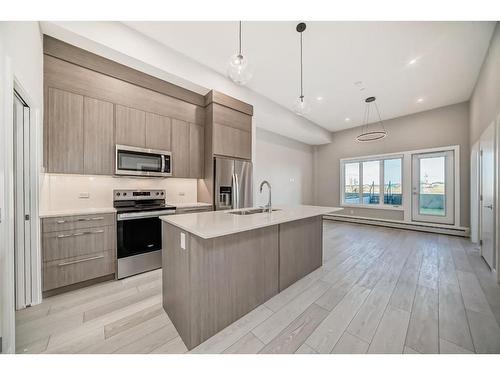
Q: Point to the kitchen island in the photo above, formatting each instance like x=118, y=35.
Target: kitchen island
x=218, y=266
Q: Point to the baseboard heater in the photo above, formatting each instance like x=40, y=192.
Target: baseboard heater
x=422, y=227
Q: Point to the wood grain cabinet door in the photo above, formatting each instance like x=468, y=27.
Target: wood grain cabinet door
x=98, y=134
x=180, y=148
x=130, y=126
x=229, y=141
x=65, y=131
x=158, y=132
x=196, y=150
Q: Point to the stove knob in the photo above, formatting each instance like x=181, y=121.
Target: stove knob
x=162, y=193
x=118, y=194
x=124, y=193
x=157, y=193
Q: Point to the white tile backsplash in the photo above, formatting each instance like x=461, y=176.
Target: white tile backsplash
x=72, y=192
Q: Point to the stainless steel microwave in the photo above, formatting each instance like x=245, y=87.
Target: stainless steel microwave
x=136, y=161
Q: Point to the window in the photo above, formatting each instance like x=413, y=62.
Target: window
x=351, y=183
x=374, y=183
x=393, y=191
x=371, y=182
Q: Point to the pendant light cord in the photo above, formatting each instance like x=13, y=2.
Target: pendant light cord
x=239, y=37
x=301, y=68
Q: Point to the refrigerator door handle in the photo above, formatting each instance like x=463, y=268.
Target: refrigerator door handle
x=237, y=191
x=233, y=191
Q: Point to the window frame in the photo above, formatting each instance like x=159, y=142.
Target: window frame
x=381, y=205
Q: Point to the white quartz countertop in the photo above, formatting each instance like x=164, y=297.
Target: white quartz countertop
x=77, y=211
x=221, y=223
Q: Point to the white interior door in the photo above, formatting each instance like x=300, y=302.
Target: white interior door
x=22, y=204
x=474, y=193
x=487, y=197
x=433, y=187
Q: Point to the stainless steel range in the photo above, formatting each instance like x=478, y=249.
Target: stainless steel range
x=138, y=229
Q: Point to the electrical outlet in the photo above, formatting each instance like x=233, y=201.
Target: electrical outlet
x=292, y=179
x=183, y=241
x=84, y=195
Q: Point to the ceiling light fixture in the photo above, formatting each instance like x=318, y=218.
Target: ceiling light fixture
x=319, y=98
x=420, y=100
x=374, y=135
x=347, y=119
x=412, y=61
x=238, y=69
x=301, y=107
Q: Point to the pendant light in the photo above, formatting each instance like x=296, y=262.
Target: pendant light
x=368, y=135
x=301, y=106
x=238, y=69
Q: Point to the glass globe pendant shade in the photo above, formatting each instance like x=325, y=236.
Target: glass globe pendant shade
x=238, y=69
x=301, y=106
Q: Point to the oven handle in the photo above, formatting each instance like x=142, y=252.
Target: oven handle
x=163, y=163
x=142, y=215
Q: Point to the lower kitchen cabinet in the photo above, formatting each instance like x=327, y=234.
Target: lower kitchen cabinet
x=76, y=249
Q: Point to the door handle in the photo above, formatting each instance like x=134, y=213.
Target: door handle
x=490, y=206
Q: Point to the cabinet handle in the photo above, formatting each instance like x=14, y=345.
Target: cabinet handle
x=80, y=260
x=60, y=221
x=81, y=219
x=98, y=218
x=80, y=233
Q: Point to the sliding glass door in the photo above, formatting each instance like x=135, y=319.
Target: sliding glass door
x=433, y=187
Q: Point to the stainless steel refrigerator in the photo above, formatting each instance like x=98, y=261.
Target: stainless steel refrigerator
x=233, y=184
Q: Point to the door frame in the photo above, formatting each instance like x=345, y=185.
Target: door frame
x=455, y=178
x=35, y=142
x=493, y=125
x=8, y=83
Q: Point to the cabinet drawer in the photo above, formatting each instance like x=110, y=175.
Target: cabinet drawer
x=72, y=243
x=62, y=272
x=52, y=224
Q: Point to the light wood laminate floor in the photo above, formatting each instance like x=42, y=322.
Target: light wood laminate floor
x=379, y=290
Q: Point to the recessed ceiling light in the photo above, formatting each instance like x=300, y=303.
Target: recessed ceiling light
x=412, y=62
x=420, y=100
x=319, y=98
x=347, y=119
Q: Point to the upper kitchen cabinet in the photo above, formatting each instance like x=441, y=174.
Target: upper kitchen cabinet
x=98, y=137
x=231, y=121
x=92, y=103
x=196, y=150
x=130, y=126
x=64, y=138
x=180, y=148
x=158, y=132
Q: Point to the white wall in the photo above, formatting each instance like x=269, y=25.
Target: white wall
x=20, y=57
x=287, y=165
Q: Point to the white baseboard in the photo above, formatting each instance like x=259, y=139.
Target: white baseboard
x=422, y=227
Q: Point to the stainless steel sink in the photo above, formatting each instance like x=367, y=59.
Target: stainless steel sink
x=252, y=211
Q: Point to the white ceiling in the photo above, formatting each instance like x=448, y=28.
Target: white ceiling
x=448, y=57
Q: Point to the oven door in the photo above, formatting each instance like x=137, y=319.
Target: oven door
x=137, y=161
x=138, y=236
